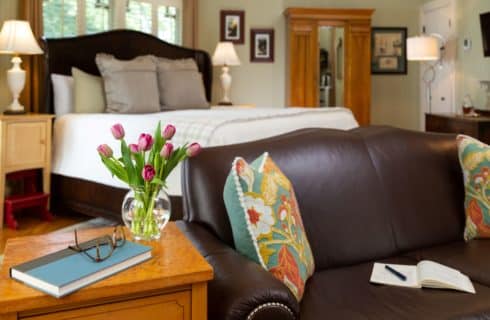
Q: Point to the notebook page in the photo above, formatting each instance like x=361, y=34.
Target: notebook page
x=436, y=275
x=382, y=276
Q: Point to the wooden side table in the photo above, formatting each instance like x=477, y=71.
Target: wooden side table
x=171, y=286
x=476, y=127
x=25, y=143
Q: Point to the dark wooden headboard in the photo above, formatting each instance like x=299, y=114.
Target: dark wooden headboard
x=64, y=53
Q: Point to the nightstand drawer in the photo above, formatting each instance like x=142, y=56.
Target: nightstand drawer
x=174, y=306
x=25, y=144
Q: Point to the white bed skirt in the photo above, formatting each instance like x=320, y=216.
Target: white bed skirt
x=76, y=136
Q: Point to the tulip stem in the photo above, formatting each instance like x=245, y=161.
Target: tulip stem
x=143, y=225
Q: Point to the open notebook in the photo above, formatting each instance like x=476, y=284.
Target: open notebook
x=426, y=274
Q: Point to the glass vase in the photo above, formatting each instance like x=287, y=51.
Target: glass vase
x=146, y=213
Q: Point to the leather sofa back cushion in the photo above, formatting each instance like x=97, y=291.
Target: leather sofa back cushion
x=423, y=184
x=364, y=194
x=474, y=157
x=266, y=221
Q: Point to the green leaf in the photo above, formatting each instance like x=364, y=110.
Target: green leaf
x=178, y=156
x=116, y=168
x=140, y=163
x=157, y=145
x=128, y=164
x=157, y=164
x=157, y=181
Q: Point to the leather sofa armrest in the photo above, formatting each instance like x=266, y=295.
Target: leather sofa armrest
x=241, y=289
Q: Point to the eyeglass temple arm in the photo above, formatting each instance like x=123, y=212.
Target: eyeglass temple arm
x=76, y=238
x=97, y=249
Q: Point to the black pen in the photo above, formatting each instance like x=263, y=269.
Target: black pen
x=400, y=276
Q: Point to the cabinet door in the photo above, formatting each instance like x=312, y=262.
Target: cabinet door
x=25, y=144
x=358, y=71
x=303, y=64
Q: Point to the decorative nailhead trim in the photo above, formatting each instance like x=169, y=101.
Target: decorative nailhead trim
x=268, y=305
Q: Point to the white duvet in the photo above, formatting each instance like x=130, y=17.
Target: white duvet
x=76, y=136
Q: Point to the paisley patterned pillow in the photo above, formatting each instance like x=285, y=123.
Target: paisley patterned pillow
x=266, y=222
x=474, y=157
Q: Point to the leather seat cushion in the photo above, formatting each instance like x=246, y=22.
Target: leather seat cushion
x=471, y=258
x=345, y=293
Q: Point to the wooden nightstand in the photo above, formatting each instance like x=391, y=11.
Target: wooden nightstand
x=25, y=144
x=172, y=285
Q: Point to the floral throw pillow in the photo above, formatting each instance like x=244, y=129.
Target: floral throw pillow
x=474, y=157
x=266, y=222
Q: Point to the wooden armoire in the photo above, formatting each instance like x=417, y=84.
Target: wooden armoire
x=303, y=57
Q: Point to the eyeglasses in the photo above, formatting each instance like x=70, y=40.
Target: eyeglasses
x=101, y=248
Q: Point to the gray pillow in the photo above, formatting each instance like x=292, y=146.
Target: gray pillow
x=130, y=85
x=165, y=64
x=181, y=90
x=180, y=84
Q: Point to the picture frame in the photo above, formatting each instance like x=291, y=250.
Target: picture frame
x=232, y=26
x=389, y=50
x=262, y=45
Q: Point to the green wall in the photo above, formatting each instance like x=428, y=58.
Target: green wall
x=471, y=65
x=394, y=98
x=8, y=10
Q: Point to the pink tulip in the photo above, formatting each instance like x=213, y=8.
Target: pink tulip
x=193, y=150
x=148, y=172
x=117, y=131
x=145, y=142
x=133, y=148
x=167, y=150
x=105, y=151
x=168, y=132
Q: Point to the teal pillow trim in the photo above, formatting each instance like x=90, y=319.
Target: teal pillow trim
x=237, y=211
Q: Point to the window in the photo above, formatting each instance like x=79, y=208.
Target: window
x=97, y=16
x=60, y=18
x=161, y=18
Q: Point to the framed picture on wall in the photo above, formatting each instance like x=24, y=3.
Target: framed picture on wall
x=389, y=50
x=262, y=45
x=232, y=26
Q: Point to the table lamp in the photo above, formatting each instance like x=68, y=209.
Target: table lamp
x=225, y=56
x=17, y=38
x=427, y=48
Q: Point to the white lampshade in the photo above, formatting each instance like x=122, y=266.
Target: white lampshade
x=424, y=48
x=16, y=37
x=225, y=55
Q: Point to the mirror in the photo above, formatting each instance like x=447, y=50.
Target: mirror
x=331, y=63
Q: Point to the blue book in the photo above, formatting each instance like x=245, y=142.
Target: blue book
x=66, y=271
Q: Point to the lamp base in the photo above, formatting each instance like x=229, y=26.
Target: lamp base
x=225, y=103
x=16, y=79
x=225, y=86
x=14, y=112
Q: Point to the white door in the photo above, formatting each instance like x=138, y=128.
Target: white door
x=438, y=17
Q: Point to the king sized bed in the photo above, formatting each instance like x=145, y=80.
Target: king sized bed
x=80, y=183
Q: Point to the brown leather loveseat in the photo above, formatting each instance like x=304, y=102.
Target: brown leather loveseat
x=370, y=194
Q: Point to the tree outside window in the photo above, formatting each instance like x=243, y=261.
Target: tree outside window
x=66, y=18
